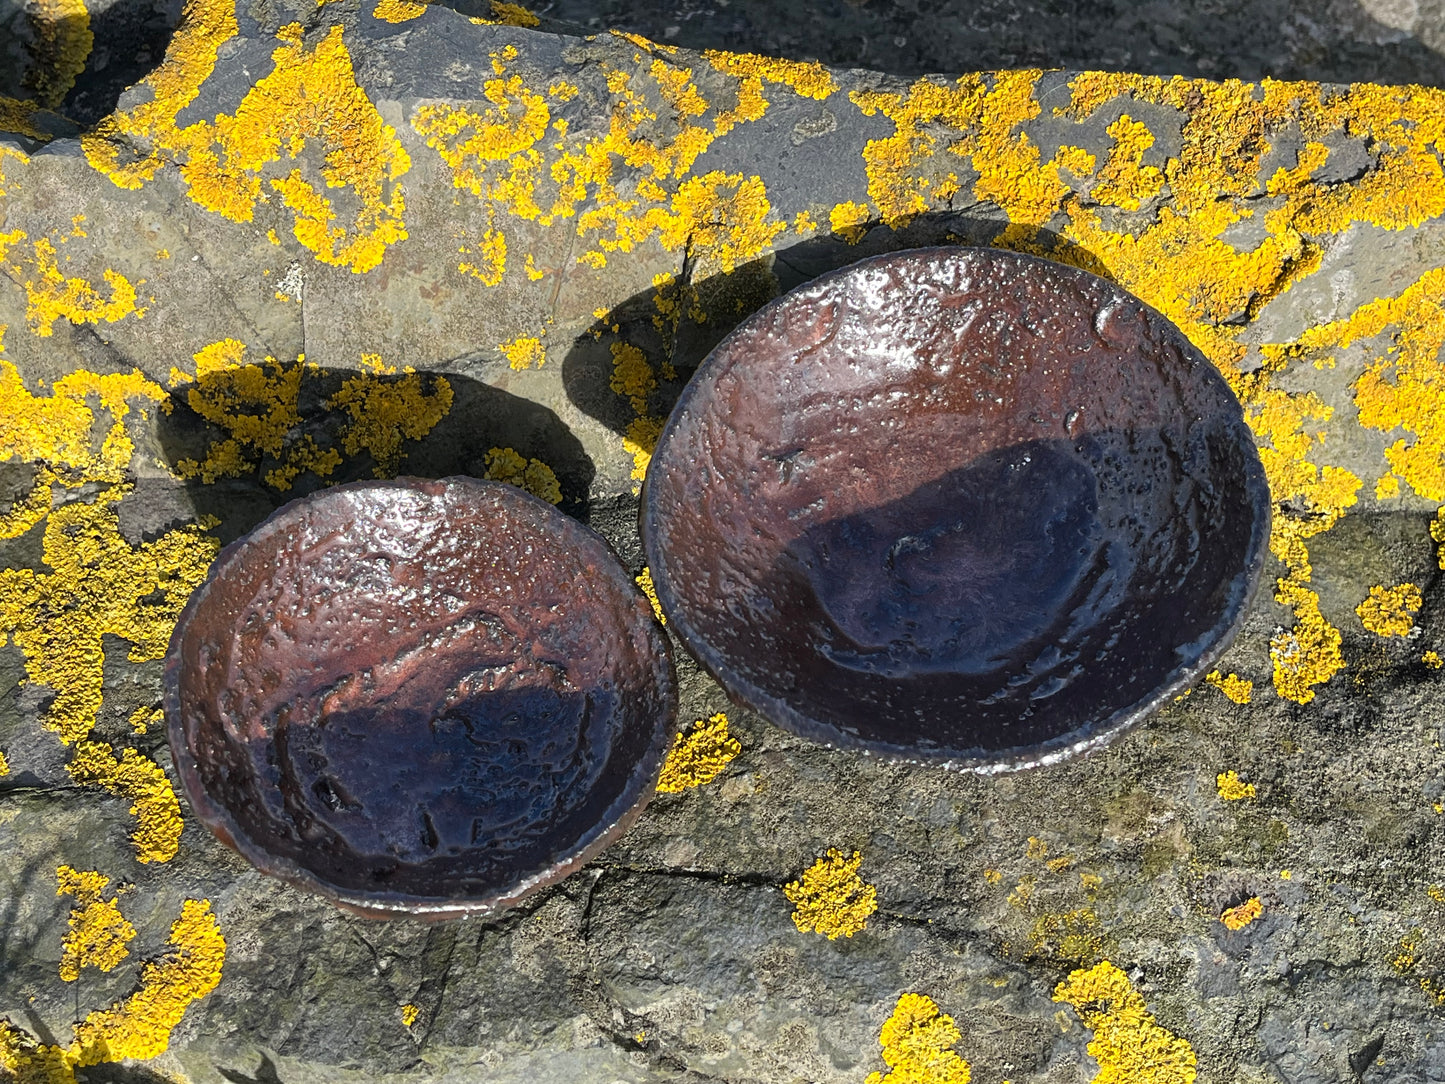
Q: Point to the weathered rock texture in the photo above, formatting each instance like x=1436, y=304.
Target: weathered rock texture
x=325, y=242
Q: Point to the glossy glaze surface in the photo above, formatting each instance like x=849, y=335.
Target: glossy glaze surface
x=955, y=504
x=419, y=697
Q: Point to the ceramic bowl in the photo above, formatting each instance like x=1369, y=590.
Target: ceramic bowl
x=424, y=698
x=956, y=505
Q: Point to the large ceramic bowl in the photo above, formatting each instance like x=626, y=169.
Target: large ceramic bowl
x=956, y=505
x=419, y=698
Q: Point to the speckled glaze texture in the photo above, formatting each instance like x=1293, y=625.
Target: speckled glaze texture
x=422, y=698
x=956, y=505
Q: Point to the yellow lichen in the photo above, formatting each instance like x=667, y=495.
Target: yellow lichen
x=831, y=898
x=56, y=433
x=1233, y=686
x=1022, y=892
x=1181, y=264
x=1308, y=654
x=98, y=585
x=308, y=96
x=667, y=303
x=384, y=412
x=1401, y=388
x=849, y=221
x=398, y=11
x=505, y=14
x=135, y=776
x=1231, y=788
x=1036, y=849
x=644, y=581
x=1406, y=962
x=1390, y=611
x=903, y=169
x=409, y=1014
x=523, y=352
x=489, y=258
x=315, y=96
x=51, y=295
x=205, y=26
x=698, y=756
x=1432, y=660
x=974, y=119
x=1124, y=182
x=724, y=215
x=917, y=1040
x=1129, y=1045
x=258, y=407
x=508, y=465
x=807, y=79
x=1236, y=918
x=1074, y=935
x=4, y=765
x=30, y=1061
x=98, y=933
x=632, y=375
x=499, y=153
x=16, y=116
x=1076, y=160
x=1010, y=170
x=138, y=1027
x=143, y=718
x=63, y=40
x=639, y=441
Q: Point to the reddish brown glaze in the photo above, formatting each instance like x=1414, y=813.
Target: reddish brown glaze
x=958, y=505
x=425, y=698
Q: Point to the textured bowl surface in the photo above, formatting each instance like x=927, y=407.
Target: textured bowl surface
x=424, y=698
x=956, y=505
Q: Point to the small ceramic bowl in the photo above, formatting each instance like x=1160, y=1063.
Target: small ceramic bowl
x=419, y=698
x=956, y=505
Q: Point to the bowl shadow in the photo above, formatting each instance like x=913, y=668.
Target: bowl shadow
x=677, y=346
x=251, y=438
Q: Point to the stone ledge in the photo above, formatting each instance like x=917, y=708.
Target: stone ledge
x=558, y=228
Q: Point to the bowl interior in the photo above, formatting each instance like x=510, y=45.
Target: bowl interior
x=419, y=691
x=956, y=504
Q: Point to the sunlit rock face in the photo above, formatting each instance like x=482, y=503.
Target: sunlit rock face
x=314, y=245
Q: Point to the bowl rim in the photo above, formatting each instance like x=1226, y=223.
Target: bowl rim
x=620, y=815
x=1093, y=735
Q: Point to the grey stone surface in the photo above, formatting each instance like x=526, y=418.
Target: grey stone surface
x=673, y=955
